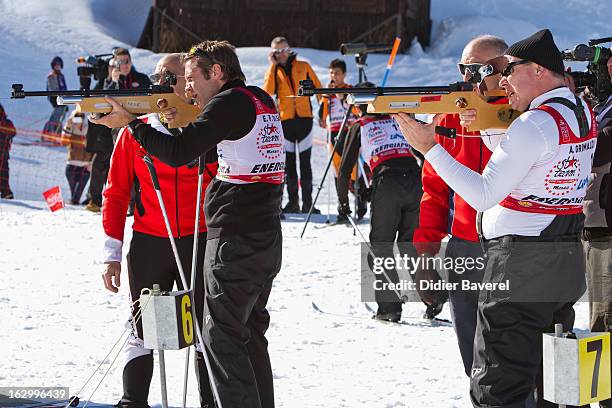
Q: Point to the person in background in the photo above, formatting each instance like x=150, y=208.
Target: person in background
x=7, y=132
x=597, y=231
x=395, y=194
x=282, y=81
x=55, y=82
x=122, y=75
x=99, y=142
x=332, y=110
x=78, y=166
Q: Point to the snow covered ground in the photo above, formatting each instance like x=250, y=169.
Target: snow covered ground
x=58, y=320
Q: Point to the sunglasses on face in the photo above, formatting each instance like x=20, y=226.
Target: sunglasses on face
x=471, y=69
x=165, y=78
x=280, y=51
x=501, y=65
x=506, y=72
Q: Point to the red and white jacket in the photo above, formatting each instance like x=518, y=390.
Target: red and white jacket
x=178, y=189
x=443, y=212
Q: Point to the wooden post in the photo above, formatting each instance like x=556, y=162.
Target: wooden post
x=156, y=27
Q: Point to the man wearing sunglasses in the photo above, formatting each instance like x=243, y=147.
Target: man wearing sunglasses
x=530, y=196
x=150, y=259
x=282, y=81
x=242, y=206
x=437, y=219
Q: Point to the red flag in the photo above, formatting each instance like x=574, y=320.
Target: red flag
x=54, y=199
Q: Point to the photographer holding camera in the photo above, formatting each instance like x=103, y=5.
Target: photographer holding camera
x=121, y=75
x=597, y=232
x=282, y=80
x=529, y=200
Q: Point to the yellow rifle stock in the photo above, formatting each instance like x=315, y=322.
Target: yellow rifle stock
x=136, y=101
x=453, y=98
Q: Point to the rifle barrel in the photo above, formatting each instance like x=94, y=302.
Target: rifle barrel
x=306, y=90
x=19, y=93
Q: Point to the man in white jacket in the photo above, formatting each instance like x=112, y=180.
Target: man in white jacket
x=529, y=199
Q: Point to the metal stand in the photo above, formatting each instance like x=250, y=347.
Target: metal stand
x=194, y=261
x=149, y=163
x=162, y=376
x=360, y=61
x=559, y=333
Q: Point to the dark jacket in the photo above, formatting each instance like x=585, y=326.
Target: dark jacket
x=230, y=208
x=7, y=132
x=99, y=138
x=134, y=80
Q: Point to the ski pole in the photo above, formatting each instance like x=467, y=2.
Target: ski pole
x=149, y=163
x=329, y=162
x=362, y=171
x=401, y=298
x=194, y=261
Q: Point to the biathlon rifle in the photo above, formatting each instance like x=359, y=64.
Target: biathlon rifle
x=136, y=101
x=453, y=98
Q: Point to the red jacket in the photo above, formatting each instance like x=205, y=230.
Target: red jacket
x=436, y=210
x=178, y=189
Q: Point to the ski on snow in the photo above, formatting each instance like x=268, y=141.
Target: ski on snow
x=406, y=321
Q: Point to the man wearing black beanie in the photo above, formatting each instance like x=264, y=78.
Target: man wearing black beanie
x=529, y=202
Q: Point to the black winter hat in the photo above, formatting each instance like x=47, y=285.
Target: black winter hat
x=539, y=48
x=57, y=60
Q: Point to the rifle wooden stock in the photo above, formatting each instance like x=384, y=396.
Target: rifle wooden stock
x=137, y=105
x=453, y=98
x=489, y=115
x=137, y=101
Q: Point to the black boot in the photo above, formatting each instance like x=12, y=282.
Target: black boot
x=291, y=207
x=137, y=375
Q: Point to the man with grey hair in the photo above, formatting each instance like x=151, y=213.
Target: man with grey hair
x=436, y=217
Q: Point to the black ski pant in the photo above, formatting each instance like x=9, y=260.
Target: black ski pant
x=99, y=172
x=464, y=303
x=298, y=141
x=508, y=345
x=77, y=180
x=395, y=202
x=149, y=261
x=239, y=272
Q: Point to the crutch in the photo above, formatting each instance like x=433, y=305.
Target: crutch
x=149, y=163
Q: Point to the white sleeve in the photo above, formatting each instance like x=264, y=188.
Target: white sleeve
x=519, y=149
x=112, y=250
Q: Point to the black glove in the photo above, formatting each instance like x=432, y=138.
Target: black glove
x=365, y=194
x=344, y=209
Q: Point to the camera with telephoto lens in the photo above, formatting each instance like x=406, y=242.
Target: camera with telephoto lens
x=596, y=78
x=95, y=66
